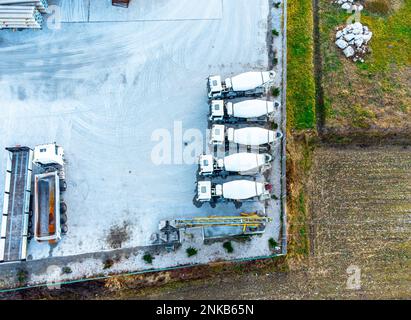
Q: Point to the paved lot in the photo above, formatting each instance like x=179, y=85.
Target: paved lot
x=103, y=90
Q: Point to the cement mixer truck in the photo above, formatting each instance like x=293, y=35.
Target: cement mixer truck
x=236, y=191
x=249, y=136
x=248, y=84
x=244, y=111
x=239, y=163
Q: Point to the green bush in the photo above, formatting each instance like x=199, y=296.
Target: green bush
x=275, y=33
x=277, y=4
x=275, y=91
x=66, y=270
x=191, y=251
x=272, y=243
x=148, y=258
x=108, y=263
x=228, y=246
x=22, y=276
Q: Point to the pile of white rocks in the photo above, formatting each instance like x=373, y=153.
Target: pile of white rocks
x=353, y=40
x=349, y=5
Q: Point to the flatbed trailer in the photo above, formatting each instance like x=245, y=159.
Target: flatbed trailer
x=16, y=205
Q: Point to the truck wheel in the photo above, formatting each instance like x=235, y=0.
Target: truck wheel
x=197, y=204
x=63, y=207
x=64, y=229
x=63, y=218
x=63, y=185
x=238, y=204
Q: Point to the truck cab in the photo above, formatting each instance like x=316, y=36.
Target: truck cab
x=204, y=191
x=214, y=86
x=47, y=155
x=217, y=135
x=217, y=110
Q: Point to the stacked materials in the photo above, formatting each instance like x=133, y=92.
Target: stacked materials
x=353, y=41
x=18, y=14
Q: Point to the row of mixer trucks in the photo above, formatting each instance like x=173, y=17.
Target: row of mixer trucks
x=243, y=123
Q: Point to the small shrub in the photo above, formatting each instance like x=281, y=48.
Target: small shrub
x=22, y=276
x=275, y=33
x=275, y=61
x=275, y=91
x=228, y=246
x=108, y=263
x=277, y=4
x=148, y=258
x=272, y=243
x=66, y=270
x=191, y=251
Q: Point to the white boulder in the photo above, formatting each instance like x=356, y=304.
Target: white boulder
x=346, y=6
x=342, y=44
x=359, y=42
x=349, y=36
x=349, y=51
x=357, y=28
x=367, y=37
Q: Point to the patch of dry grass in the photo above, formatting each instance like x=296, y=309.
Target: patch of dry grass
x=299, y=157
x=378, y=6
x=361, y=205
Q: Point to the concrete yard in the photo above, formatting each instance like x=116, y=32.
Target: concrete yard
x=105, y=86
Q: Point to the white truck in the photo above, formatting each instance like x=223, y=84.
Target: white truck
x=249, y=136
x=239, y=163
x=248, y=84
x=49, y=182
x=237, y=191
x=244, y=111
